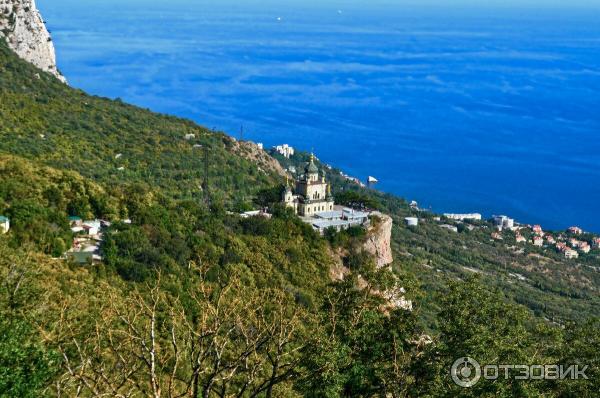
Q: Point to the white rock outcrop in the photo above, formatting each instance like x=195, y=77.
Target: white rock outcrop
x=26, y=34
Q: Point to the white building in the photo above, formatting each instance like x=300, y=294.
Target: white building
x=575, y=230
x=449, y=227
x=255, y=213
x=4, y=224
x=463, y=217
x=92, y=227
x=571, y=254
x=338, y=220
x=285, y=150
x=504, y=222
x=585, y=247
x=412, y=221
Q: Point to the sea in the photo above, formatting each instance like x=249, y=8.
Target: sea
x=463, y=106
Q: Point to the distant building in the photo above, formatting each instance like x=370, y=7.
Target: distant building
x=91, y=227
x=77, y=230
x=463, y=217
x=574, y=242
x=285, y=150
x=538, y=241
x=571, y=254
x=311, y=195
x=585, y=247
x=497, y=236
x=255, y=213
x=260, y=145
x=339, y=220
x=449, y=227
x=311, y=199
x=504, y=222
x=189, y=137
x=520, y=238
x=4, y=224
x=412, y=221
x=575, y=230
x=596, y=243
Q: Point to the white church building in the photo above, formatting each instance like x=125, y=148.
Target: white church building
x=313, y=202
x=312, y=195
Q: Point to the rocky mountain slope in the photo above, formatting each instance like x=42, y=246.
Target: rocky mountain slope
x=379, y=241
x=25, y=32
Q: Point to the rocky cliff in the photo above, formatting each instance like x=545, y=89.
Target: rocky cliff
x=25, y=32
x=379, y=240
x=251, y=151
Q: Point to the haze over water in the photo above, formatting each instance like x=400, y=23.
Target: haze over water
x=492, y=110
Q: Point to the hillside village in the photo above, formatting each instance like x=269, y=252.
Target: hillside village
x=570, y=243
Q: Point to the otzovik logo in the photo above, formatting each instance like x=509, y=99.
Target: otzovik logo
x=465, y=372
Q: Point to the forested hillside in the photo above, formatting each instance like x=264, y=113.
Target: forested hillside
x=113, y=142
x=190, y=299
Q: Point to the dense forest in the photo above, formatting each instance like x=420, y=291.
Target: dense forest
x=192, y=300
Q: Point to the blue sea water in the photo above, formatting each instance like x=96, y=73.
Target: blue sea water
x=463, y=108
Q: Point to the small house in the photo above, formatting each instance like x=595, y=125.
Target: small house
x=91, y=227
x=449, y=227
x=575, y=230
x=571, y=254
x=538, y=241
x=4, y=224
x=411, y=221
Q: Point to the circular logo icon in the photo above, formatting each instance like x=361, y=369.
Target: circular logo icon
x=465, y=372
